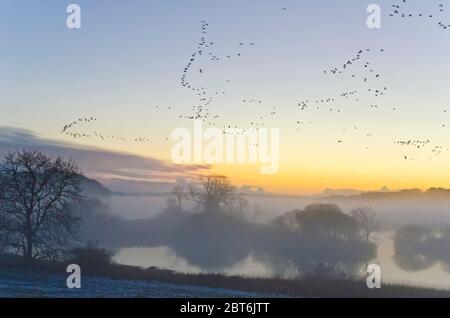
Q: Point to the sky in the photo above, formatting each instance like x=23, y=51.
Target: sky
x=123, y=67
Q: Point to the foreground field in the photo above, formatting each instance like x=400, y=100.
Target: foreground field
x=129, y=281
x=18, y=283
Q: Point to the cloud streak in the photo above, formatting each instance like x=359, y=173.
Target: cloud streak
x=99, y=163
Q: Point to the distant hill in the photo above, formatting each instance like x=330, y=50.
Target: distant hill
x=340, y=192
x=93, y=188
x=139, y=187
x=252, y=190
x=432, y=193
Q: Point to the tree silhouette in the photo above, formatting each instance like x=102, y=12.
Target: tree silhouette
x=4, y=239
x=37, y=198
x=213, y=193
x=178, y=195
x=320, y=221
x=367, y=221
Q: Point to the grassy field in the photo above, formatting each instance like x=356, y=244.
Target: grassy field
x=306, y=287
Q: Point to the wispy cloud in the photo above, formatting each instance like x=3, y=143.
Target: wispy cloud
x=96, y=162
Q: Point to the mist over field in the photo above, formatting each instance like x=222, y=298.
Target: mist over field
x=241, y=148
x=410, y=208
x=263, y=239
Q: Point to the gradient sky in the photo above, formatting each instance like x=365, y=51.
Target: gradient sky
x=129, y=55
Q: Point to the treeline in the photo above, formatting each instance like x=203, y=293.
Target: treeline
x=44, y=215
x=320, y=239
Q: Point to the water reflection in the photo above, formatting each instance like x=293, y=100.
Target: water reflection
x=230, y=244
x=419, y=248
x=258, y=266
x=218, y=242
x=213, y=241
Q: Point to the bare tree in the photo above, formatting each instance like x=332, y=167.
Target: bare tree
x=214, y=193
x=238, y=203
x=179, y=194
x=3, y=234
x=257, y=212
x=37, y=198
x=367, y=221
x=242, y=203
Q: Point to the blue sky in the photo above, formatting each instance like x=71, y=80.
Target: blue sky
x=128, y=57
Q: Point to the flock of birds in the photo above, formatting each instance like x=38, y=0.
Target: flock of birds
x=205, y=49
x=401, y=9
x=422, y=144
x=364, y=72
x=359, y=68
x=76, y=131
